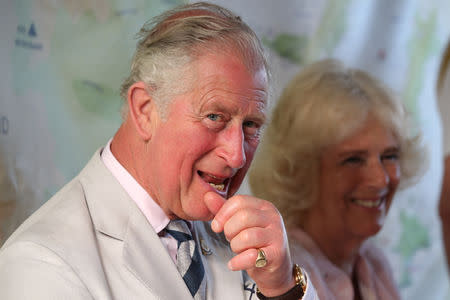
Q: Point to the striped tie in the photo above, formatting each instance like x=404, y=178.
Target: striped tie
x=189, y=262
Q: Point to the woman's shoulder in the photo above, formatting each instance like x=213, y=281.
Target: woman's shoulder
x=374, y=267
x=375, y=257
x=329, y=281
x=302, y=246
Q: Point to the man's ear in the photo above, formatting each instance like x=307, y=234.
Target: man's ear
x=142, y=110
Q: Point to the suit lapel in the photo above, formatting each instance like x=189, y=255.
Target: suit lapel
x=115, y=215
x=147, y=258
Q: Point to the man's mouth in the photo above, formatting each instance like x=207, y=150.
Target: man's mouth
x=219, y=187
x=217, y=182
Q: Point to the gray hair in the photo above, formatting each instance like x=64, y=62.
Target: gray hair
x=171, y=41
x=325, y=103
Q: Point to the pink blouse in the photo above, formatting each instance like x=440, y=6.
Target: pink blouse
x=373, y=272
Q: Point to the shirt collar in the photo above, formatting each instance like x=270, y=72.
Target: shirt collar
x=151, y=210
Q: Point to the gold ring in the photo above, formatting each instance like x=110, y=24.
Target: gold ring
x=261, y=259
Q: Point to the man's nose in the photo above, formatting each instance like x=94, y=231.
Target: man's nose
x=232, y=148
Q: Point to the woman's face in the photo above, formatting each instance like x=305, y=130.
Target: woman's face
x=358, y=179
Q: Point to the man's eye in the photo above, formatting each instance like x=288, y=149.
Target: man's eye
x=215, y=121
x=251, y=129
x=213, y=117
x=250, y=124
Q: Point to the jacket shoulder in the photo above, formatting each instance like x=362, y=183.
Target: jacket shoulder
x=63, y=215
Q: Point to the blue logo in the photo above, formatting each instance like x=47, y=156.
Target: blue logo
x=26, y=37
x=32, y=31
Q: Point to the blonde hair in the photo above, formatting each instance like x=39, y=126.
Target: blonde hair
x=170, y=42
x=322, y=105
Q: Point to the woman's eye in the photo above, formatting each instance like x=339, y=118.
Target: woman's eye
x=353, y=160
x=391, y=156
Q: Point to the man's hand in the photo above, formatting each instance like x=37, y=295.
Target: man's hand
x=250, y=223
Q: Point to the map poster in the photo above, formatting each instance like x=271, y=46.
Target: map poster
x=63, y=63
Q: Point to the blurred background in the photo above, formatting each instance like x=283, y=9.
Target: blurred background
x=62, y=63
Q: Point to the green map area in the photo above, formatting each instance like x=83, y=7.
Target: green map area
x=302, y=49
x=414, y=237
x=79, y=78
x=423, y=45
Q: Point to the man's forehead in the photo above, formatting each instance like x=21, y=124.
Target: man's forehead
x=227, y=65
x=222, y=88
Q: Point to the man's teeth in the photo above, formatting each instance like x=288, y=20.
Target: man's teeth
x=219, y=187
x=367, y=203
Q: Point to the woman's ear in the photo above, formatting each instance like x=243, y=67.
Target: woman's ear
x=142, y=110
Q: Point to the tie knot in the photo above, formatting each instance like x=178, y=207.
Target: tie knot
x=179, y=230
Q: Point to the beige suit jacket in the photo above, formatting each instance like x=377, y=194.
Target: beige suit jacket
x=91, y=241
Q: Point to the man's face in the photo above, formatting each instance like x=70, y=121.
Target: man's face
x=209, y=137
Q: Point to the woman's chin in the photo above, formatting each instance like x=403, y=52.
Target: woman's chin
x=369, y=232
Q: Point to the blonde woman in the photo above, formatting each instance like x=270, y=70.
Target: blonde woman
x=338, y=147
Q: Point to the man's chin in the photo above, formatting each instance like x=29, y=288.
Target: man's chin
x=205, y=217
x=199, y=215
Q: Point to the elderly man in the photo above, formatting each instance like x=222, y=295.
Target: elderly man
x=134, y=224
